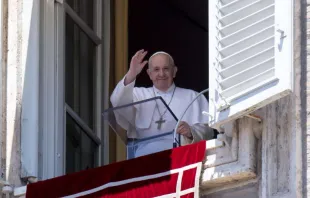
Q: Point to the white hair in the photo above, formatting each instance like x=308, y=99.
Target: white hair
x=171, y=61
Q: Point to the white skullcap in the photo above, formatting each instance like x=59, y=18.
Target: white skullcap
x=164, y=53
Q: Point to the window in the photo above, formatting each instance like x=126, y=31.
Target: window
x=71, y=87
x=82, y=88
x=250, y=57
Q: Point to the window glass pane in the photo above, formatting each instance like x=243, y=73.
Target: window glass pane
x=85, y=9
x=80, y=72
x=80, y=149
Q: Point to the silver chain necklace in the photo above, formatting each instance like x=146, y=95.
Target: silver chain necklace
x=161, y=120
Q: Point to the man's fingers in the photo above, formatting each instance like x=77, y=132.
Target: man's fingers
x=182, y=124
x=143, y=64
x=181, y=130
x=143, y=54
x=140, y=54
x=137, y=55
x=180, y=127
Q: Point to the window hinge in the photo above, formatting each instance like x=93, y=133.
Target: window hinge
x=222, y=106
x=60, y=1
x=283, y=35
x=207, y=114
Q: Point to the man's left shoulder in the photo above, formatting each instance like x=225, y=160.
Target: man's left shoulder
x=190, y=94
x=187, y=91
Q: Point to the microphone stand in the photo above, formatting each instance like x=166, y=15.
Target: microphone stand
x=177, y=125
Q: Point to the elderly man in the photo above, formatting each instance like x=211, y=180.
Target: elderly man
x=154, y=119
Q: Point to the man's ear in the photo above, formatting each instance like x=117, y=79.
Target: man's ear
x=175, y=69
x=148, y=71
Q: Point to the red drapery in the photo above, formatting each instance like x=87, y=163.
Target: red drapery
x=171, y=173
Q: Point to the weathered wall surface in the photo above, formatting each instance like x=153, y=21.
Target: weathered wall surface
x=13, y=94
x=305, y=45
x=20, y=30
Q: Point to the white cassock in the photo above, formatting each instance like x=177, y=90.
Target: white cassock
x=140, y=121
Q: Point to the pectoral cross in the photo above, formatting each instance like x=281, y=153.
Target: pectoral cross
x=160, y=122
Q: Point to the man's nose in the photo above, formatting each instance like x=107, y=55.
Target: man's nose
x=161, y=72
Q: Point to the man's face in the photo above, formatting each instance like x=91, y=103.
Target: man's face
x=161, y=71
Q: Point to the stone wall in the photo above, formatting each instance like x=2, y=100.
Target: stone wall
x=306, y=94
x=12, y=93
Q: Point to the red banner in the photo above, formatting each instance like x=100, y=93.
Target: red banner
x=171, y=173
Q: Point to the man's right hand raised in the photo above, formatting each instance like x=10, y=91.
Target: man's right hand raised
x=136, y=66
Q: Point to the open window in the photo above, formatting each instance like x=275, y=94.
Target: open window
x=178, y=27
x=79, y=28
x=250, y=55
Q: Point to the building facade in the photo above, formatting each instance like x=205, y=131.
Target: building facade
x=61, y=59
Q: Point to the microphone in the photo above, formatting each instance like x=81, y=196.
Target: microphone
x=177, y=125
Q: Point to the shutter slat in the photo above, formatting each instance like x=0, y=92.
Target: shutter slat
x=247, y=31
x=244, y=12
x=224, y=2
x=244, y=42
x=254, y=60
x=239, y=77
x=234, y=5
x=247, y=52
x=247, y=21
x=247, y=84
x=251, y=89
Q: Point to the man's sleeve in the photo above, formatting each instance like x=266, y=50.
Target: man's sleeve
x=199, y=132
x=122, y=94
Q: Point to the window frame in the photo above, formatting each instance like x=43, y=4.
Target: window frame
x=95, y=36
x=52, y=104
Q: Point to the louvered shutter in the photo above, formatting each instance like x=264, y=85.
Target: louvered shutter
x=250, y=55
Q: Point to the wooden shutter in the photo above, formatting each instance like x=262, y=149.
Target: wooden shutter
x=250, y=55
